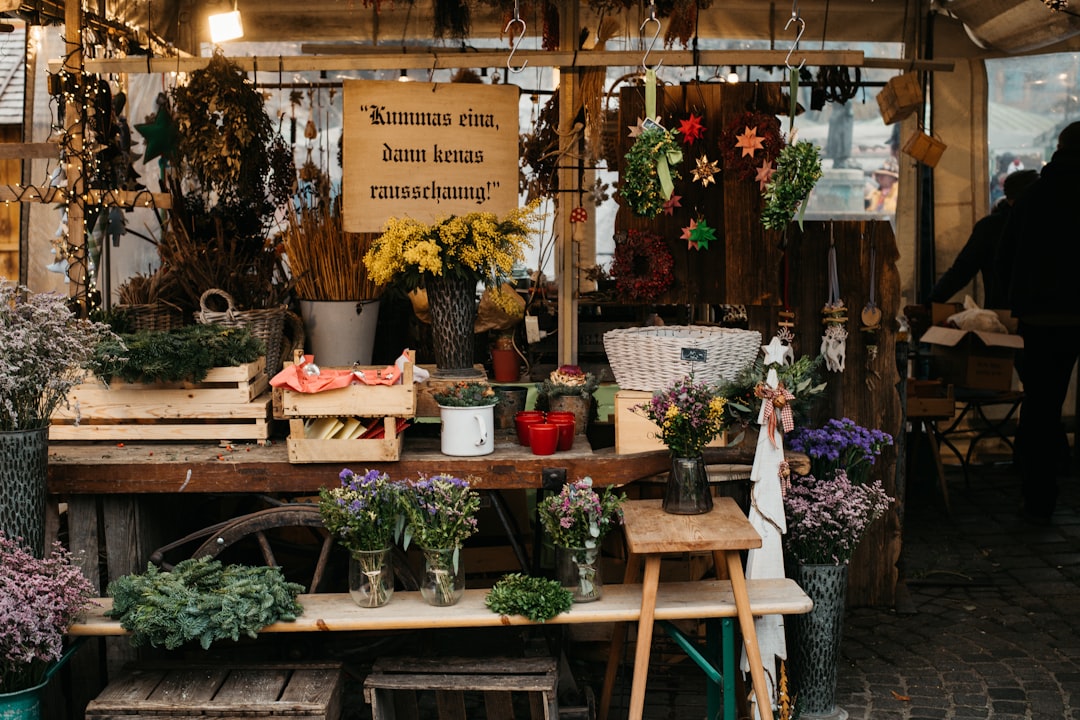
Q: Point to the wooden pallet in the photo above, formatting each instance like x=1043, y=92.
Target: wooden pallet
x=394, y=688
x=231, y=403
x=303, y=692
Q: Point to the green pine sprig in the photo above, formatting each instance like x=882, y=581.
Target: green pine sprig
x=535, y=598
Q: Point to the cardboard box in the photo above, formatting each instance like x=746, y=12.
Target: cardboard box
x=636, y=433
x=970, y=358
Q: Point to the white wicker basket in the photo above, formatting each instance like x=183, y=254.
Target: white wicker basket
x=652, y=358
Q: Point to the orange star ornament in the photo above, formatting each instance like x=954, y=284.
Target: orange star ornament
x=749, y=142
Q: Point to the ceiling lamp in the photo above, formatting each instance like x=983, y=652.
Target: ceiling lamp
x=226, y=26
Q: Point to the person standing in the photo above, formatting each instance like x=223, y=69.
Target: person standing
x=980, y=252
x=883, y=198
x=1037, y=270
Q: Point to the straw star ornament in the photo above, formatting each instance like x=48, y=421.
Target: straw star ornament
x=705, y=171
x=749, y=142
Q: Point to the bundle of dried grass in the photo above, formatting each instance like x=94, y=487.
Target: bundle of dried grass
x=592, y=92
x=157, y=286
x=326, y=263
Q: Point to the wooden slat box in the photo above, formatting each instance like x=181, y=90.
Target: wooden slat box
x=394, y=684
x=231, y=403
x=636, y=433
x=307, y=691
x=388, y=402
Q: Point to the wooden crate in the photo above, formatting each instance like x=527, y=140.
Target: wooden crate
x=309, y=691
x=636, y=433
x=385, y=403
x=393, y=687
x=930, y=399
x=900, y=97
x=231, y=403
x=927, y=149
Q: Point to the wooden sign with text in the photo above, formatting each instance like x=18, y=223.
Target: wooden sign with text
x=410, y=151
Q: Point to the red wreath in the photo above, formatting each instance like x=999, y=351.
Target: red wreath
x=768, y=129
x=642, y=266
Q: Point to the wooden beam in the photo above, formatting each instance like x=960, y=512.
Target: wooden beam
x=29, y=151
x=383, y=58
x=117, y=198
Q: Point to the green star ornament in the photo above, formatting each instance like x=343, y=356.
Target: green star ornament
x=160, y=135
x=701, y=235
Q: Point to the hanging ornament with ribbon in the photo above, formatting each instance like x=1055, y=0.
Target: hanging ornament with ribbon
x=834, y=317
x=649, y=176
x=870, y=318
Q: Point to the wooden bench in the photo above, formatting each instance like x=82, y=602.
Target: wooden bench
x=693, y=600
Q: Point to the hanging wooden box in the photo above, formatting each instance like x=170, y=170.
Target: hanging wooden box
x=900, y=97
x=301, y=692
x=924, y=148
x=230, y=403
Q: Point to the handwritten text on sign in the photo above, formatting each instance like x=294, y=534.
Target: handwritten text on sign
x=410, y=151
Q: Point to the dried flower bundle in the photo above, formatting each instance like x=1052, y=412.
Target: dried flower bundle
x=326, y=263
x=840, y=444
x=39, y=599
x=363, y=513
x=826, y=518
x=440, y=512
x=579, y=517
x=689, y=415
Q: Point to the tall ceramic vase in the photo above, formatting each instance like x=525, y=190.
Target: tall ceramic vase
x=452, y=303
x=817, y=640
x=24, y=456
x=687, y=491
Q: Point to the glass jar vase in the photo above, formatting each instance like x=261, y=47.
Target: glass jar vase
x=579, y=572
x=443, y=582
x=371, y=577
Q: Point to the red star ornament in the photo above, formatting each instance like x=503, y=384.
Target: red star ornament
x=764, y=174
x=675, y=201
x=691, y=129
x=749, y=142
x=579, y=215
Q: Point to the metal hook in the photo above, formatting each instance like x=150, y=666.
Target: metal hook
x=652, y=18
x=517, y=40
x=794, y=46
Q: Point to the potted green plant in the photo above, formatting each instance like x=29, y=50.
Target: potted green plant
x=576, y=520
x=362, y=514
x=467, y=412
x=448, y=259
x=440, y=515
x=568, y=388
x=45, y=350
x=39, y=599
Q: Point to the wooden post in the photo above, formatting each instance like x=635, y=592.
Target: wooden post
x=73, y=115
x=569, y=89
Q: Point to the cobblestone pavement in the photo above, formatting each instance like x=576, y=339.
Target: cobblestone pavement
x=989, y=625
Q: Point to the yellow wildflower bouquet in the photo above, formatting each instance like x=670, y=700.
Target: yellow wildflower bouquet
x=477, y=246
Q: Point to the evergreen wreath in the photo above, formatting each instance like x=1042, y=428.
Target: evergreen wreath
x=641, y=183
x=768, y=129
x=797, y=171
x=642, y=266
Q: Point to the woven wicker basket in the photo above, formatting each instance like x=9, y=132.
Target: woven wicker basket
x=267, y=325
x=153, y=316
x=651, y=358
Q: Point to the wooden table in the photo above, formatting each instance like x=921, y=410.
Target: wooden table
x=651, y=532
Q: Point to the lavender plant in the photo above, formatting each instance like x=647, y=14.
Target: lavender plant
x=840, y=444
x=39, y=599
x=45, y=350
x=827, y=517
x=362, y=514
x=579, y=517
x=439, y=512
x=689, y=415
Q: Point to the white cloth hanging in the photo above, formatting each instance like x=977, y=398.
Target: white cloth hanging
x=767, y=517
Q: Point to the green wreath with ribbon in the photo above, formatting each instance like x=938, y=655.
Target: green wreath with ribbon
x=649, y=175
x=798, y=169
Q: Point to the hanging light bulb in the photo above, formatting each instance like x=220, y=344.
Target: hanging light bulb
x=226, y=26
x=733, y=77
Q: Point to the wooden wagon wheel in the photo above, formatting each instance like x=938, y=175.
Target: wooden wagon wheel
x=257, y=524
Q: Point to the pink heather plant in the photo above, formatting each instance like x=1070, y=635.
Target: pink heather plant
x=579, y=517
x=39, y=599
x=827, y=518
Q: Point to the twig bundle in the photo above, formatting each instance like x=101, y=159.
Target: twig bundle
x=326, y=263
